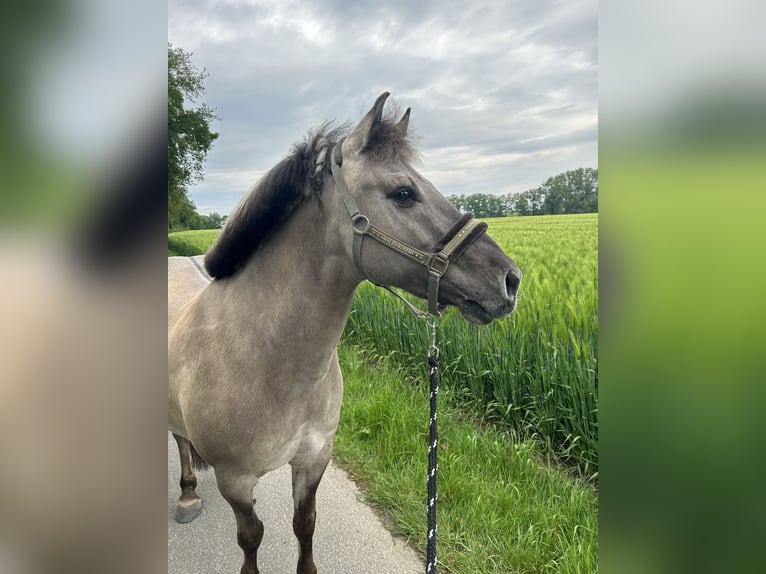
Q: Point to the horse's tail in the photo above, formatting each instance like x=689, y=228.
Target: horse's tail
x=198, y=462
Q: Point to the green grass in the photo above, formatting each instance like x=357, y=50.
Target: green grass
x=501, y=509
x=188, y=243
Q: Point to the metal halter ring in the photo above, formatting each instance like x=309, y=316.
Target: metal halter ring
x=365, y=224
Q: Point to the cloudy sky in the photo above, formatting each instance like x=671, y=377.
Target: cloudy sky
x=503, y=93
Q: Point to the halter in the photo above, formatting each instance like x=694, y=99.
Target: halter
x=463, y=233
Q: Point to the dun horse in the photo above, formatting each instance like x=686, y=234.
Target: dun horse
x=254, y=381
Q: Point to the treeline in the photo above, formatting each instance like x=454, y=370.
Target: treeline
x=574, y=191
x=190, y=219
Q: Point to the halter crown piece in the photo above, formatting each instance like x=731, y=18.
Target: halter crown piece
x=463, y=233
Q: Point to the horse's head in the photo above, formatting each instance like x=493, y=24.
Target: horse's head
x=400, y=211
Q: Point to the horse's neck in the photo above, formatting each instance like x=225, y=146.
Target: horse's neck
x=296, y=290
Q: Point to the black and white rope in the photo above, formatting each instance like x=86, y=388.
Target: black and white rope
x=433, y=435
x=433, y=466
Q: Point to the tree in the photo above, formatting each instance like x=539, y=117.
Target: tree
x=189, y=136
x=521, y=206
x=556, y=195
x=536, y=197
x=215, y=220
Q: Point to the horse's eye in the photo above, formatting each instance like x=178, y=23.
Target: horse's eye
x=404, y=196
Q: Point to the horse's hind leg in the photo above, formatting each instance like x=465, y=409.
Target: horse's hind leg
x=189, y=505
x=238, y=492
x=306, y=479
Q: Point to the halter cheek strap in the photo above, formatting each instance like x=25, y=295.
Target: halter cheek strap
x=450, y=247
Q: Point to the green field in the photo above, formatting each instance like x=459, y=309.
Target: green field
x=188, y=243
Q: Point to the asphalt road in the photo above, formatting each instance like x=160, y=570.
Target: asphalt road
x=349, y=537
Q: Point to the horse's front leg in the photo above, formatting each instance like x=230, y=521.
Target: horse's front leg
x=238, y=492
x=306, y=477
x=189, y=505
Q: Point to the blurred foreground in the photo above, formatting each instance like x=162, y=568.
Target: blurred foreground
x=82, y=287
x=682, y=147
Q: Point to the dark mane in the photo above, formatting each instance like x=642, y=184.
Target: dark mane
x=281, y=192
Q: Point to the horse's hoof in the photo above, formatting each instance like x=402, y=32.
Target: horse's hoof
x=188, y=510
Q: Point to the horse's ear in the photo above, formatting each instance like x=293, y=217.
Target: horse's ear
x=359, y=139
x=401, y=126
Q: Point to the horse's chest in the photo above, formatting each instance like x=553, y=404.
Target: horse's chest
x=307, y=416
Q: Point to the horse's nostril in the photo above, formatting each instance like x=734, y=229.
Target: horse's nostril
x=512, y=281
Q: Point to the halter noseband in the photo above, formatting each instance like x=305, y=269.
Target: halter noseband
x=463, y=233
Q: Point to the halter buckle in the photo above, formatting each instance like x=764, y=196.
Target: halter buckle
x=437, y=264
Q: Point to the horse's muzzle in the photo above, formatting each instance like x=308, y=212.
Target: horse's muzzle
x=484, y=312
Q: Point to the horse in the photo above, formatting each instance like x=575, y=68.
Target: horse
x=253, y=376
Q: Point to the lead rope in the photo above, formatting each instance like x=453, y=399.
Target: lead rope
x=433, y=441
x=433, y=435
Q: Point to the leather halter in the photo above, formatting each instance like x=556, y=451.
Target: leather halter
x=462, y=234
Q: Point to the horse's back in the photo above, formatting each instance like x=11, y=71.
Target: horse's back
x=186, y=278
